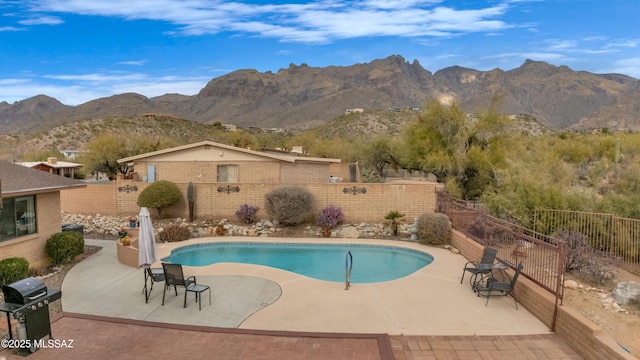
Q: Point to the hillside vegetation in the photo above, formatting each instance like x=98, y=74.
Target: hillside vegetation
x=513, y=164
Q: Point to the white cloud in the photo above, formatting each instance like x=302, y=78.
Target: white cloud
x=42, y=20
x=314, y=22
x=98, y=77
x=538, y=56
x=157, y=87
x=78, y=89
x=9, y=28
x=629, y=66
x=625, y=43
x=133, y=62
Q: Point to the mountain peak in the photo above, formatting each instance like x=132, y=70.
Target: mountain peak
x=301, y=96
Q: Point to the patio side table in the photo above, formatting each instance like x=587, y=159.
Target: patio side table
x=198, y=289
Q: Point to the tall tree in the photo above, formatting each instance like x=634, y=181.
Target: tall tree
x=102, y=154
x=455, y=147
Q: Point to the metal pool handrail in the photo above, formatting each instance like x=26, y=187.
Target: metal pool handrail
x=348, y=265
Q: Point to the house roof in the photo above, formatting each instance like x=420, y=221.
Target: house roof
x=19, y=180
x=57, y=165
x=285, y=158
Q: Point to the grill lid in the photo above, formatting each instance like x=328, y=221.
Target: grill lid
x=24, y=291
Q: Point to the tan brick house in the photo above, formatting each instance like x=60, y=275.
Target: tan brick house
x=211, y=162
x=30, y=210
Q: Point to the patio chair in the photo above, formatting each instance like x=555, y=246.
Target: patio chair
x=482, y=267
x=155, y=275
x=173, y=275
x=506, y=287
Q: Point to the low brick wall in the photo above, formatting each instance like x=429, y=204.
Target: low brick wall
x=585, y=337
x=119, y=198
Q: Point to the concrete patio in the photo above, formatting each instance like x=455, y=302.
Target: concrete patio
x=259, y=312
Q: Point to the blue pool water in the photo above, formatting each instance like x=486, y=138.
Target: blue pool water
x=371, y=263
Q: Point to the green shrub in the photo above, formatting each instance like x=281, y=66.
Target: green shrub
x=290, y=205
x=174, y=232
x=13, y=269
x=159, y=195
x=434, y=229
x=64, y=246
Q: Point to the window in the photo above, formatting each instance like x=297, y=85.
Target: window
x=18, y=217
x=228, y=173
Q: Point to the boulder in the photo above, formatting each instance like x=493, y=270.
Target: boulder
x=626, y=291
x=570, y=284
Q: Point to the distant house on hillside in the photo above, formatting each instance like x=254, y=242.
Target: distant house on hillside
x=53, y=166
x=211, y=162
x=71, y=154
x=30, y=210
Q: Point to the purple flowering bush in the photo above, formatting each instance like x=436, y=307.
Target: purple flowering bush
x=330, y=216
x=247, y=213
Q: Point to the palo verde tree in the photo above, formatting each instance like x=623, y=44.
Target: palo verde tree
x=103, y=152
x=159, y=195
x=379, y=153
x=455, y=147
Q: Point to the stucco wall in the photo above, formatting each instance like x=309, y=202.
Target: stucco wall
x=31, y=247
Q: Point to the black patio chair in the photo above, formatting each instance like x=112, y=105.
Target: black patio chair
x=506, y=287
x=482, y=267
x=155, y=275
x=173, y=276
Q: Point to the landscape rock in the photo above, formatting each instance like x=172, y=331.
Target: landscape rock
x=626, y=291
x=108, y=226
x=570, y=284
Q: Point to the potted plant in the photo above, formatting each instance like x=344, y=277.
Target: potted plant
x=328, y=218
x=126, y=240
x=220, y=229
x=394, y=218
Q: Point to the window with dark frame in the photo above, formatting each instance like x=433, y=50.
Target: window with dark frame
x=18, y=217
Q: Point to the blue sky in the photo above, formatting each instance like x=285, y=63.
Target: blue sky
x=80, y=50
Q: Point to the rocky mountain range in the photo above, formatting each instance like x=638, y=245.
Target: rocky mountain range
x=301, y=96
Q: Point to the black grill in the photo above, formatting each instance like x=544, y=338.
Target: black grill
x=28, y=301
x=24, y=291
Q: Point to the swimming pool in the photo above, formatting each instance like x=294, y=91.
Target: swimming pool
x=371, y=263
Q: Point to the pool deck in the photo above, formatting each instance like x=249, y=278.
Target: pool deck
x=251, y=299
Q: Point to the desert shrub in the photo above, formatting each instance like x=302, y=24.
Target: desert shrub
x=13, y=269
x=64, y=246
x=247, y=213
x=583, y=260
x=330, y=216
x=159, y=195
x=434, y=229
x=290, y=205
x=39, y=271
x=174, y=232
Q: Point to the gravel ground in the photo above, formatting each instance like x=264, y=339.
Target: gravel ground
x=53, y=279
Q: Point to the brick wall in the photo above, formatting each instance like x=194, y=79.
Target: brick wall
x=248, y=171
x=585, y=337
x=411, y=199
x=101, y=198
x=31, y=247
